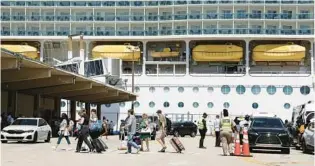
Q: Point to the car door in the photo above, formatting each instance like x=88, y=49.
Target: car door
x=187, y=128
x=41, y=129
x=311, y=134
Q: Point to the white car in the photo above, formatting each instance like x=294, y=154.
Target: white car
x=27, y=130
x=308, y=138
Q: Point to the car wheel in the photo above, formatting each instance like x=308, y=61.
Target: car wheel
x=176, y=134
x=182, y=135
x=35, y=137
x=48, y=137
x=4, y=141
x=251, y=150
x=297, y=147
x=193, y=134
x=285, y=151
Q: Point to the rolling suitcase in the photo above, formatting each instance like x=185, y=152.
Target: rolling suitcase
x=98, y=145
x=177, y=145
x=103, y=143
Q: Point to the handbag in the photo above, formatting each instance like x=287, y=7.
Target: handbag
x=145, y=130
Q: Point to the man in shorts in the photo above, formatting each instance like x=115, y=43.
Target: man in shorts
x=161, y=134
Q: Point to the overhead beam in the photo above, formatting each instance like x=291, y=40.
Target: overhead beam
x=62, y=88
x=124, y=99
x=9, y=63
x=40, y=83
x=24, y=74
x=109, y=98
x=94, y=90
x=95, y=96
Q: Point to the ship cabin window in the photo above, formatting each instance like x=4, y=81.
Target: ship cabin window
x=240, y=89
x=226, y=105
x=287, y=90
x=210, y=89
x=195, y=89
x=195, y=104
x=305, y=90
x=271, y=90
x=180, y=89
x=107, y=105
x=166, y=104
x=180, y=104
x=210, y=105
x=166, y=89
x=136, y=104
x=151, y=104
x=93, y=68
x=255, y=105
x=225, y=89
x=287, y=106
x=137, y=89
x=63, y=103
x=256, y=89
x=152, y=89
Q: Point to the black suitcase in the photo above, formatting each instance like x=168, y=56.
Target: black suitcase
x=98, y=145
x=177, y=145
x=103, y=143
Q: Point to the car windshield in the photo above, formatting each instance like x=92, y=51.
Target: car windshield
x=267, y=123
x=28, y=122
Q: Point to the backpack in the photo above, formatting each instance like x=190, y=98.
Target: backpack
x=97, y=126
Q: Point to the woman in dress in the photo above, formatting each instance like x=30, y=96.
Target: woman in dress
x=145, y=133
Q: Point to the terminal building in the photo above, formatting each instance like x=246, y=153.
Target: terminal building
x=188, y=56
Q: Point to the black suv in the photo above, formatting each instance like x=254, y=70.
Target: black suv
x=268, y=133
x=183, y=129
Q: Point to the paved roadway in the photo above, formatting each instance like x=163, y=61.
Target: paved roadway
x=41, y=154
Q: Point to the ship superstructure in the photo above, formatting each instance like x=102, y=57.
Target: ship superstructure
x=190, y=56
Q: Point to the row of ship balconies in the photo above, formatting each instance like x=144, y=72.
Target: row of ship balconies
x=148, y=3
x=161, y=32
x=165, y=17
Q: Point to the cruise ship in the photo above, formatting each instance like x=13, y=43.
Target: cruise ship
x=188, y=56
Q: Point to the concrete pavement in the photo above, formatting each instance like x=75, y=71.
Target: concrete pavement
x=41, y=154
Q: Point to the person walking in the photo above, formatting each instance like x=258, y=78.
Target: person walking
x=217, y=131
x=131, y=126
x=145, y=132
x=63, y=132
x=161, y=134
x=84, y=132
x=202, y=126
x=226, y=126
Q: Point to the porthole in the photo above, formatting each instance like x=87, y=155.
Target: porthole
x=152, y=104
x=180, y=89
x=256, y=89
x=255, y=105
x=240, y=89
x=136, y=104
x=195, y=89
x=225, y=89
x=107, y=105
x=166, y=89
x=93, y=105
x=166, y=104
x=226, y=105
x=287, y=90
x=122, y=104
x=210, y=89
x=195, y=104
x=63, y=103
x=271, y=90
x=180, y=104
x=210, y=105
x=305, y=90
x=287, y=105
x=137, y=89
x=152, y=89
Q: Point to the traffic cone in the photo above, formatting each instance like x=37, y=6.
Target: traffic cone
x=237, y=145
x=245, y=148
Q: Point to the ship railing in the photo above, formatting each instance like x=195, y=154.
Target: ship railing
x=280, y=73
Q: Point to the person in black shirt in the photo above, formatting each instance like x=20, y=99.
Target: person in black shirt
x=84, y=132
x=202, y=126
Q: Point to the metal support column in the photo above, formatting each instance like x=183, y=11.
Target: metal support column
x=247, y=56
x=57, y=106
x=99, y=111
x=187, y=56
x=36, y=105
x=73, y=110
x=13, y=102
x=88, y=109
x=41, y=53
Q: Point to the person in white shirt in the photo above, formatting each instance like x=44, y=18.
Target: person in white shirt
x=63, y=130
x=217, y=131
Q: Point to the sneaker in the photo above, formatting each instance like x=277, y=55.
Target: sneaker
x=163, y=150
x=138, y=150
x=202, y=147
x=54, y=148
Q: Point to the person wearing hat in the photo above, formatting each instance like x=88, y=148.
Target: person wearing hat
x=202, y=126
x=161, y=134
